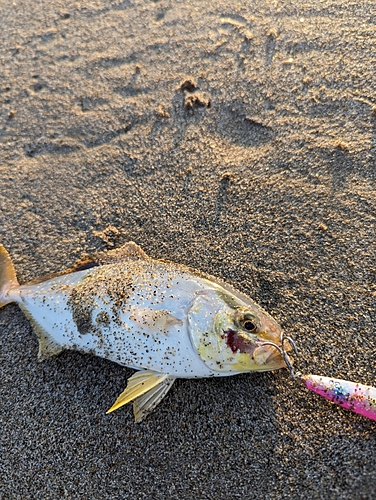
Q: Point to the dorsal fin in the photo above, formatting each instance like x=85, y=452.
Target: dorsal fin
x=129, y=251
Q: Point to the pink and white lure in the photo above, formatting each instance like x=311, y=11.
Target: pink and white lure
x=353, y=396
x=358, y=398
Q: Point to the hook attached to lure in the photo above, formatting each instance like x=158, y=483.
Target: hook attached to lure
x=353, y=396
x=283, y=352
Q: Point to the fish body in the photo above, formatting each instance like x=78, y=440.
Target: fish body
x=353, y=396
x=164, y=319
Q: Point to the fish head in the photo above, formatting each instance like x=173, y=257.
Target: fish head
x=229, y=332
x=243, y=333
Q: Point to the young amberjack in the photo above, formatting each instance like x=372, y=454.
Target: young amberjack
x=161, y=318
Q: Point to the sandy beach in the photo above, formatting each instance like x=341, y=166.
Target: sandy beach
x=238, y=138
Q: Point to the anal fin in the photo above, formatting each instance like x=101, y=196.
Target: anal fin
x=147, y=388
x=47, y=345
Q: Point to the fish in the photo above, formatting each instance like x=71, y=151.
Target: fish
x=163, y=319
x=353, y=396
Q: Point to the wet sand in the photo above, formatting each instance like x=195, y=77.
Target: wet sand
x=238, y=138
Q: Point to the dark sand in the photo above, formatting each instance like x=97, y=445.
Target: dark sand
x=260, y=169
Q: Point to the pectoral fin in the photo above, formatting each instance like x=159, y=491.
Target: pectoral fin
x=143, y=383
x=153, y=320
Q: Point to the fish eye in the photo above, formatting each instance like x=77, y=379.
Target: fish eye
x=249, y=322
x=249, y=326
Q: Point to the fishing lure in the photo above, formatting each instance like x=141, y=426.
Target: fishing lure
x=353, y=396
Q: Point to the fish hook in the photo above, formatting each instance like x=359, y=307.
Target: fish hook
x=283, y=353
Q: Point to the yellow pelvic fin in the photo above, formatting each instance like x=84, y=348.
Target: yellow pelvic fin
x=145, y=404
x=140, y=383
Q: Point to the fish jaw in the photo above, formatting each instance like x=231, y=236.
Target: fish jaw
x=269, y=355
x=251, y=354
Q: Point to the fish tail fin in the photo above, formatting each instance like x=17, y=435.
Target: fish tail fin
x=8, y=278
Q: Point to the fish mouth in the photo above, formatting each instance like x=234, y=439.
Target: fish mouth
x=269, y=357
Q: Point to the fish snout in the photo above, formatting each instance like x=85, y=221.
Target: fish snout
x=269, y=352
